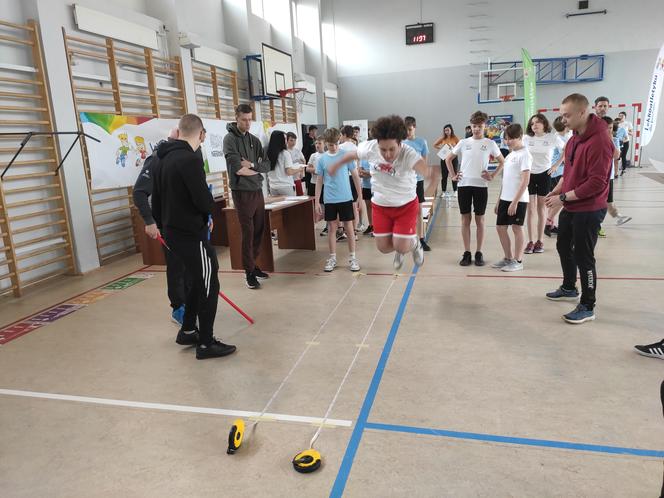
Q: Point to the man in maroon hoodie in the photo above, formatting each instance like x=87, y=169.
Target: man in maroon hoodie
x=583, y=194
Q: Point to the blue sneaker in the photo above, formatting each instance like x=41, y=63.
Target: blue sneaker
x=561, y=294
x=580, y=314
x=178, y=315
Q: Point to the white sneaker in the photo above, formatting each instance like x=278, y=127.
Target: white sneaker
x=513, y=266
x=398, y=260
x=502, y=263
x=361, y=228
x=621, y=220
x=330, y=264
x=354, y=264
x=418, y=254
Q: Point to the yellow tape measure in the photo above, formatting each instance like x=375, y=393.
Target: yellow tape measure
x=235, y=436
x=307, y=461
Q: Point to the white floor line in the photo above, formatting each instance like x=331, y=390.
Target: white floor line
x=179, y=408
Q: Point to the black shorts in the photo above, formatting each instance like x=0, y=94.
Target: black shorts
x=352, y=188
x=342, y=210
x=540, y=184
x=554, y=181
x=472, y=197
x=420, y=191
x=610, y=198
x=366, y=194
x=505, y=219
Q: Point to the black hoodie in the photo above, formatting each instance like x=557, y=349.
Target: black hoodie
x=238, y=146
x=181, y=201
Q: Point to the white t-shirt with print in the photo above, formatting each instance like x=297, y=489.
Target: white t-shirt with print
x=474, y=160
x=541, y=148
x=393, y=184
x=296, y=156
x=515, y=162
x=278, y=177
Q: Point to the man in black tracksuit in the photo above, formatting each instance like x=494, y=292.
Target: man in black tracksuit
x=182, y=204
x=176, y=277
x=245, y=161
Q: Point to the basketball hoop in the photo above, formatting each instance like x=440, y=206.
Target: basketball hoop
x=296, y=93
x=507, y=98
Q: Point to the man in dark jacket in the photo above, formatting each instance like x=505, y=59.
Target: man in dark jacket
x=583, y=195
x=245, y=162
x=181, y=205
x=176, y=276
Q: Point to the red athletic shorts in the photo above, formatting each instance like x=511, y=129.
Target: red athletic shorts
x=400, y=221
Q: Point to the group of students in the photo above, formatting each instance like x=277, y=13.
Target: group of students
x=533, y=165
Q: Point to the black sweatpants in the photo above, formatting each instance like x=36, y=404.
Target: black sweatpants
x=624, y=148
x=250, y=207
x=177, y=279
x=200, y=262
x=445, y=173
x=577, y=236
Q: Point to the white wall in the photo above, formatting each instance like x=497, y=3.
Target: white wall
x=439, y=96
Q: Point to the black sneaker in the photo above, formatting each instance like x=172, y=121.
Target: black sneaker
x=479, y=259
x=215, y=349
x=190, y=339
x=260, y=274
x=425, y=246
x=467, y=259
x=547, y=230
x=554, y=230
x=341, y=236
x=323, y=232
x=252, y=281
x=368, y=231
x=655, y=350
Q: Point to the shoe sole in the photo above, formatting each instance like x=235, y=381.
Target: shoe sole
x=577, y=322
x=330, y=270
x=565, y=298
x=262, y=278
x=253, y=286
x=649, y=355
x=538, y=252
x=354, y=270
x=626, y=221
x=511, y=270
x=195, y=343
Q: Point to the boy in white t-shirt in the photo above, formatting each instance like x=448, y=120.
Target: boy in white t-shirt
x=473, y=177
x=512, y=204
x=393, y=184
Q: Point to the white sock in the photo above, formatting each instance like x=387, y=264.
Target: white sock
x=351, y=255
x=333, y=255
x=188, y=331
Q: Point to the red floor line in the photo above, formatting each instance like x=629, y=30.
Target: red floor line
x=560, y=277
x=72, y=297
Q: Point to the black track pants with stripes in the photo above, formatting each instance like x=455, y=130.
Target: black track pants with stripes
x=200, y=262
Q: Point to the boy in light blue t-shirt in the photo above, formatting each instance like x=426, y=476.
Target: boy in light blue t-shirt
x=337, y=198
x=422, y=148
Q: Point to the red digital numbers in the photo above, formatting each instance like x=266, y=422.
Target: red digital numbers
x=419, y=39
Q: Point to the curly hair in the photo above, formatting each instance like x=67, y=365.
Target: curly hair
x=389, y=127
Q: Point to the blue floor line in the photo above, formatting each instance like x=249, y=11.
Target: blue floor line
x=544, y=443
x=358, y=429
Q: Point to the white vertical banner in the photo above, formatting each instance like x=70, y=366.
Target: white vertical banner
x=652, y=102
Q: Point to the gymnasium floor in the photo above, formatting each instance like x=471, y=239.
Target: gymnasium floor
x=455, y=357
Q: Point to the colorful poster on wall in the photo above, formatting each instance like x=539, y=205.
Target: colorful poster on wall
x=124, y=144
x=496, y=124
x=652, y=102
x=126, y=141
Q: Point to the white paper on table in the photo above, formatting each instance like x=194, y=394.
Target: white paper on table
x=296, y=197
x=444, y=151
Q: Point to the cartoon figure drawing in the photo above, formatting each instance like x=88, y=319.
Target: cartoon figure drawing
x=121, y=154
x=141, y=150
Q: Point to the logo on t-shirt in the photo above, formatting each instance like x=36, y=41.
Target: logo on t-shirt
x=385, y=168
x=469, y=147
x=483, y=147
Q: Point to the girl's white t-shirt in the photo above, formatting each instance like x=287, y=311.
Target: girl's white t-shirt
x=393, y=184
x=515, y=162
x=278, y=177
x=541, y=148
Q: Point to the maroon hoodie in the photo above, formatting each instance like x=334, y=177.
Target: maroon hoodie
x=588, y=159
